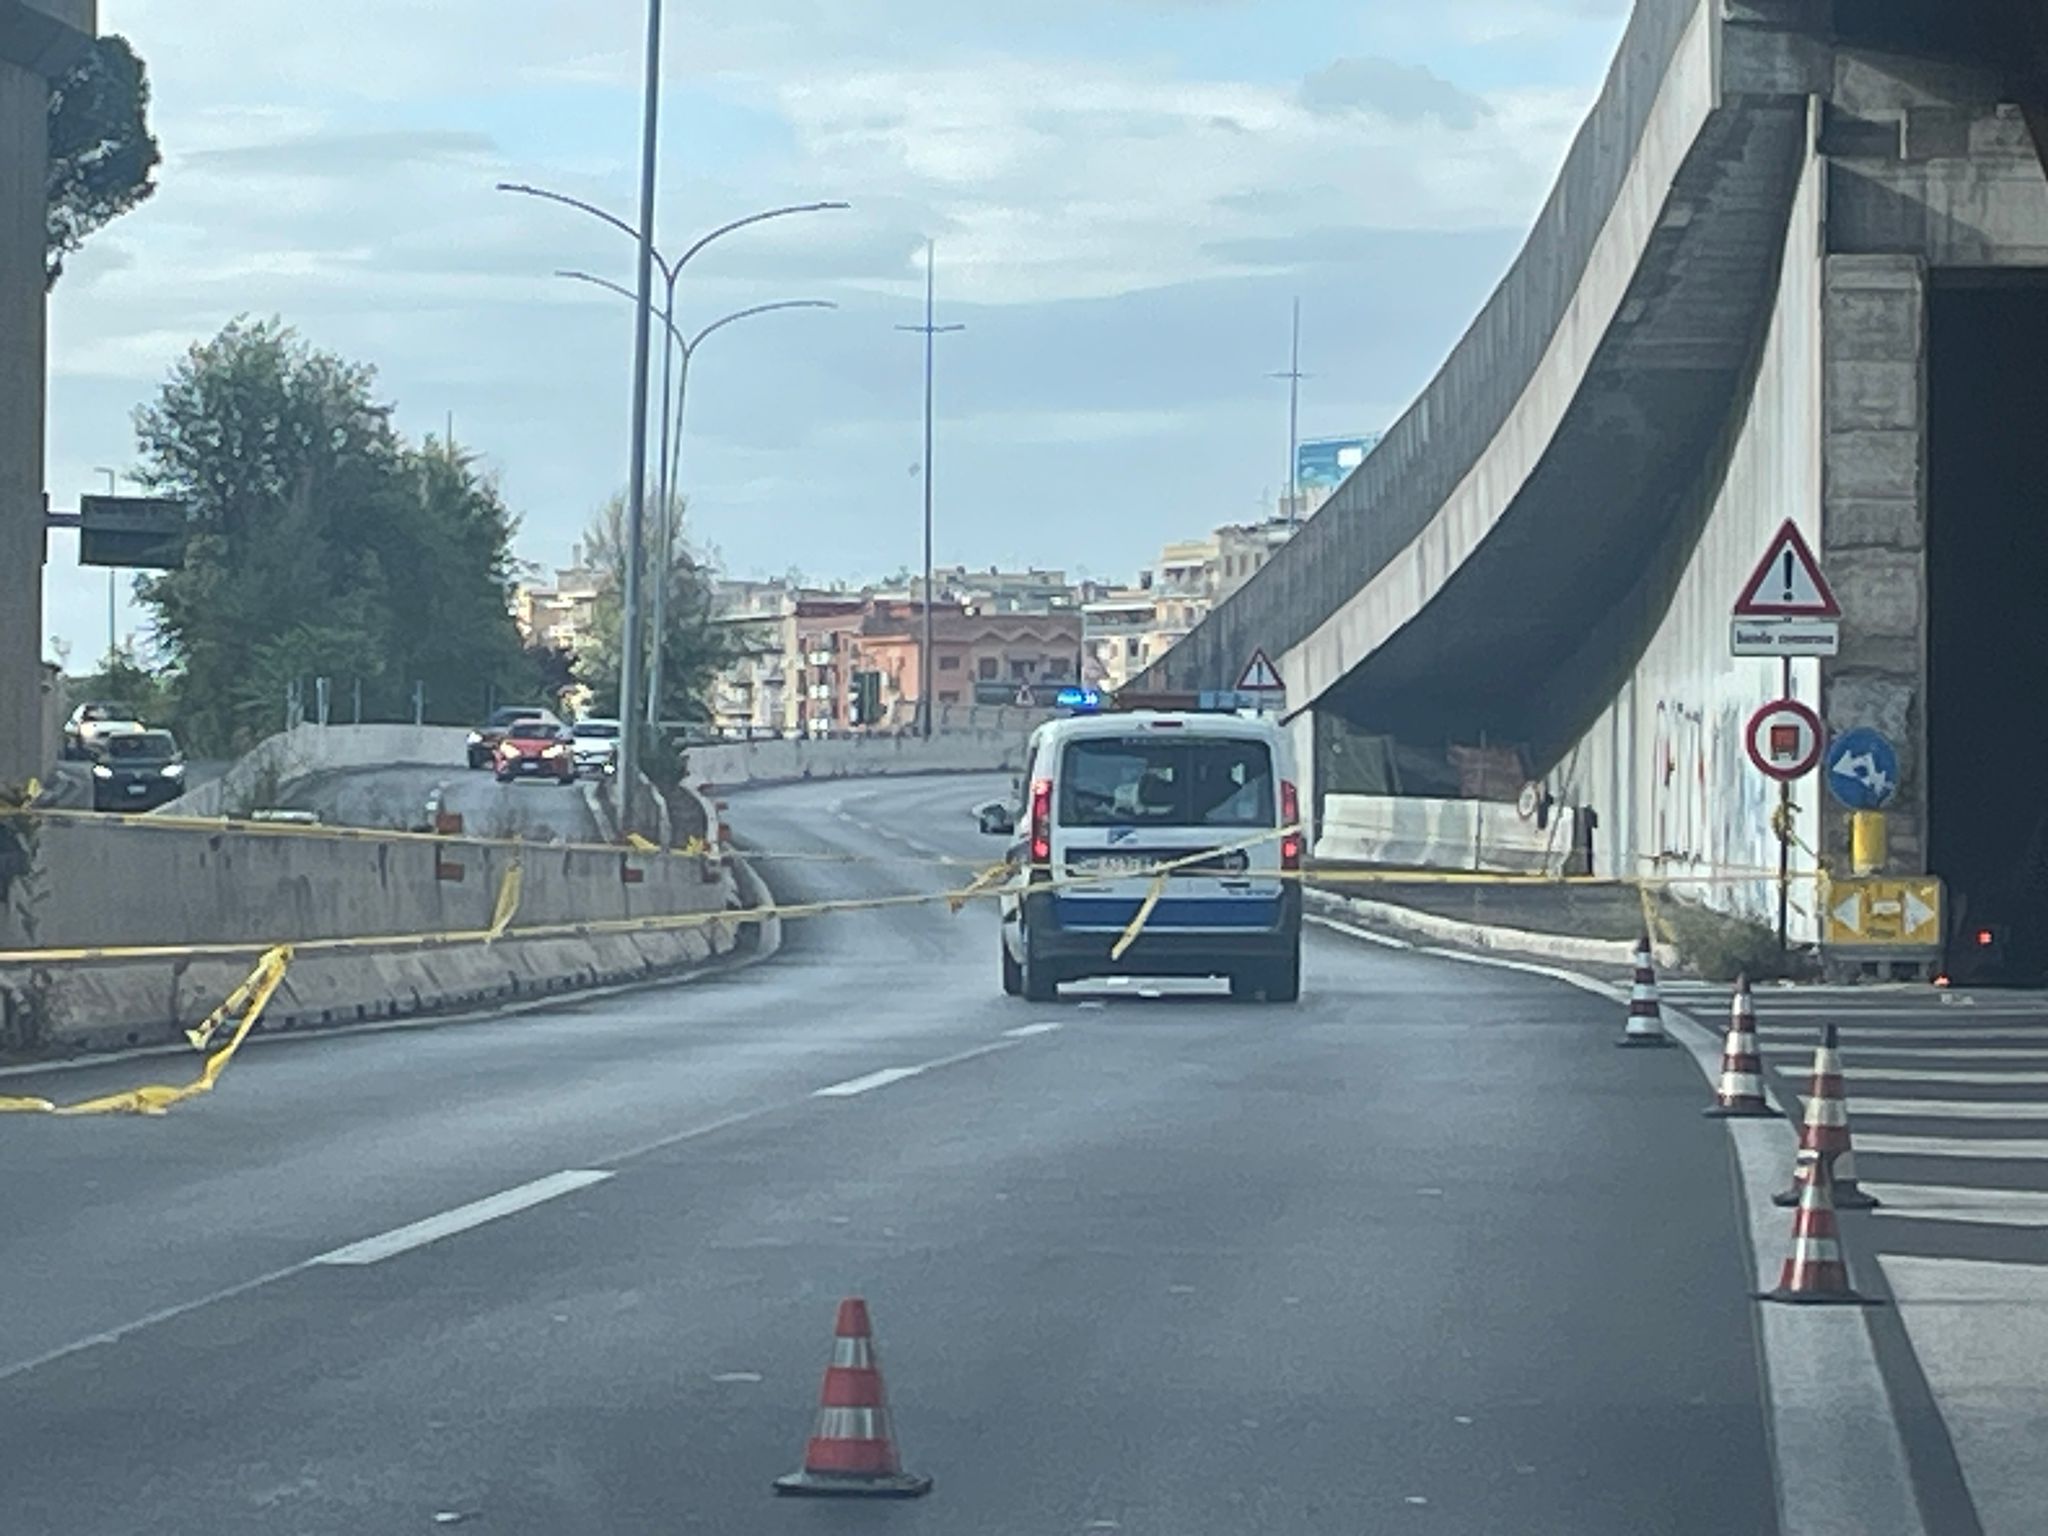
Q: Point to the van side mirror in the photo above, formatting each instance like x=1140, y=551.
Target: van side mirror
x=995, y=818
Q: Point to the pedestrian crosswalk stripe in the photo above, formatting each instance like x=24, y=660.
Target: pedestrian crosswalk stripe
x=1947, y=1109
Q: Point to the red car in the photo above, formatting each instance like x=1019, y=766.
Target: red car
x=535, y=749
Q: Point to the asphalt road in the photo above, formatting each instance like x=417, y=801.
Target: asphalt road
x=397, y=797
x=1424, y=1253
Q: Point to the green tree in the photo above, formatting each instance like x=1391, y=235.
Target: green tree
x=318, y=543
x=123, y=679
x=693, y=648
x=102, y=153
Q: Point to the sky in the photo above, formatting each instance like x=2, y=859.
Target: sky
x=1126, y=196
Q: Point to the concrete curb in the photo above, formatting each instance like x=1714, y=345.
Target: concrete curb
x=1486, y=936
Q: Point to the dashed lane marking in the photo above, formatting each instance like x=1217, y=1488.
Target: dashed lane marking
x=867, y=1083
x=374, y=1250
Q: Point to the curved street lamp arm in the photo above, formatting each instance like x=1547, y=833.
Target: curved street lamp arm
x=754, y=218
x=623, y=292
x=723, y=321
x=582, y=207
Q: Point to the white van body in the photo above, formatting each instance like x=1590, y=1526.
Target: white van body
x=1109, y=798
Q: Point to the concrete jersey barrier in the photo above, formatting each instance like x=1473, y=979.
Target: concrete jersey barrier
x=1480, y=836
x=308, y=749
x=730, y=765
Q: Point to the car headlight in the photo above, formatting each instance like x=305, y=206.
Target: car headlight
x=174, y=770
x=102, y=771
x=554, y=751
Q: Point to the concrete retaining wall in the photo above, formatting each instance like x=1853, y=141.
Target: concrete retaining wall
x=1412, y=833
x=1665, y=766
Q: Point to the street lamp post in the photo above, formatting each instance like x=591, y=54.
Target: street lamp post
x=931, y=331
x=685, y=347
x=671, y=273
x=113, y=485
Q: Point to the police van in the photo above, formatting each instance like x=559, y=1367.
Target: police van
x=1108, y=801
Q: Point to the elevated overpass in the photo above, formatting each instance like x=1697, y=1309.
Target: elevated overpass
x=1793, y=267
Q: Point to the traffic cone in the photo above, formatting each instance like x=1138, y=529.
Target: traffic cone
x=1740, y=1091
x=1824, y=1130
x=853, y=1451
x=1815, y=1272
x=1645, y=1012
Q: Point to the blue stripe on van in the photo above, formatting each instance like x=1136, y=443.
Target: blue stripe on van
x=1116, y=912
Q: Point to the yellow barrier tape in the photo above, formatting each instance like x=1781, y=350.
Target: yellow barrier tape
x=1137, y=923
x=984, y=881
x=641, y=844
x=507, y=907
x=251, y=997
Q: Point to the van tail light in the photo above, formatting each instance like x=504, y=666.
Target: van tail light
x=1290, y=815
x=1041, y=821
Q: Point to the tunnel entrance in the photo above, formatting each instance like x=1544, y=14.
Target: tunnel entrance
x=1987, y=619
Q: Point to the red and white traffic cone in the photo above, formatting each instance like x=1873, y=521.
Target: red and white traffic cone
x=1815, y=1272
x=1824, y=1130
x=1740, y=1092
x=1645, y=1011
x=853, y=1451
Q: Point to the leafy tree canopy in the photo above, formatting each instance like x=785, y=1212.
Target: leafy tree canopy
x=319, y=543
x=102, y=154
x=693, y=647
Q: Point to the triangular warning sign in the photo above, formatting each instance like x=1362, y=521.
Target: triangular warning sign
x=1260, y=676
x=1026, y=699
x=1787, y=583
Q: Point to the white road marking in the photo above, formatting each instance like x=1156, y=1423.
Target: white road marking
x=737, y=1377
x=1026, y=1031
x=1939, y=1075
x=1352, y=931
x=1956, y=1202
x=1878, y=1143
x=1947, y=1109
x=374, y=1250
x=1858, y=1053
x=866, y=1084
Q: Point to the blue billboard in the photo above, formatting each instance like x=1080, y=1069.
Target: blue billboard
x=1324, y=463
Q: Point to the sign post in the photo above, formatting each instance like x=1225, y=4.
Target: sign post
x=1786, y=609
x=1784, y=740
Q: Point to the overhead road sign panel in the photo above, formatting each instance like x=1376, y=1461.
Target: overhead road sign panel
x=132, y=532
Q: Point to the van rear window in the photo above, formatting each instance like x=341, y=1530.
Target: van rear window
x=1144, y=781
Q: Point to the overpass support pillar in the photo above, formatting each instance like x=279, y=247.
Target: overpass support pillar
x=1874, y=528
x=38, y=40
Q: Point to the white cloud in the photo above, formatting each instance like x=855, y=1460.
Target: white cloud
x=333, y=164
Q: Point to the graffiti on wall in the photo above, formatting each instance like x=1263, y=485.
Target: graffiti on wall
x=1709, y=806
